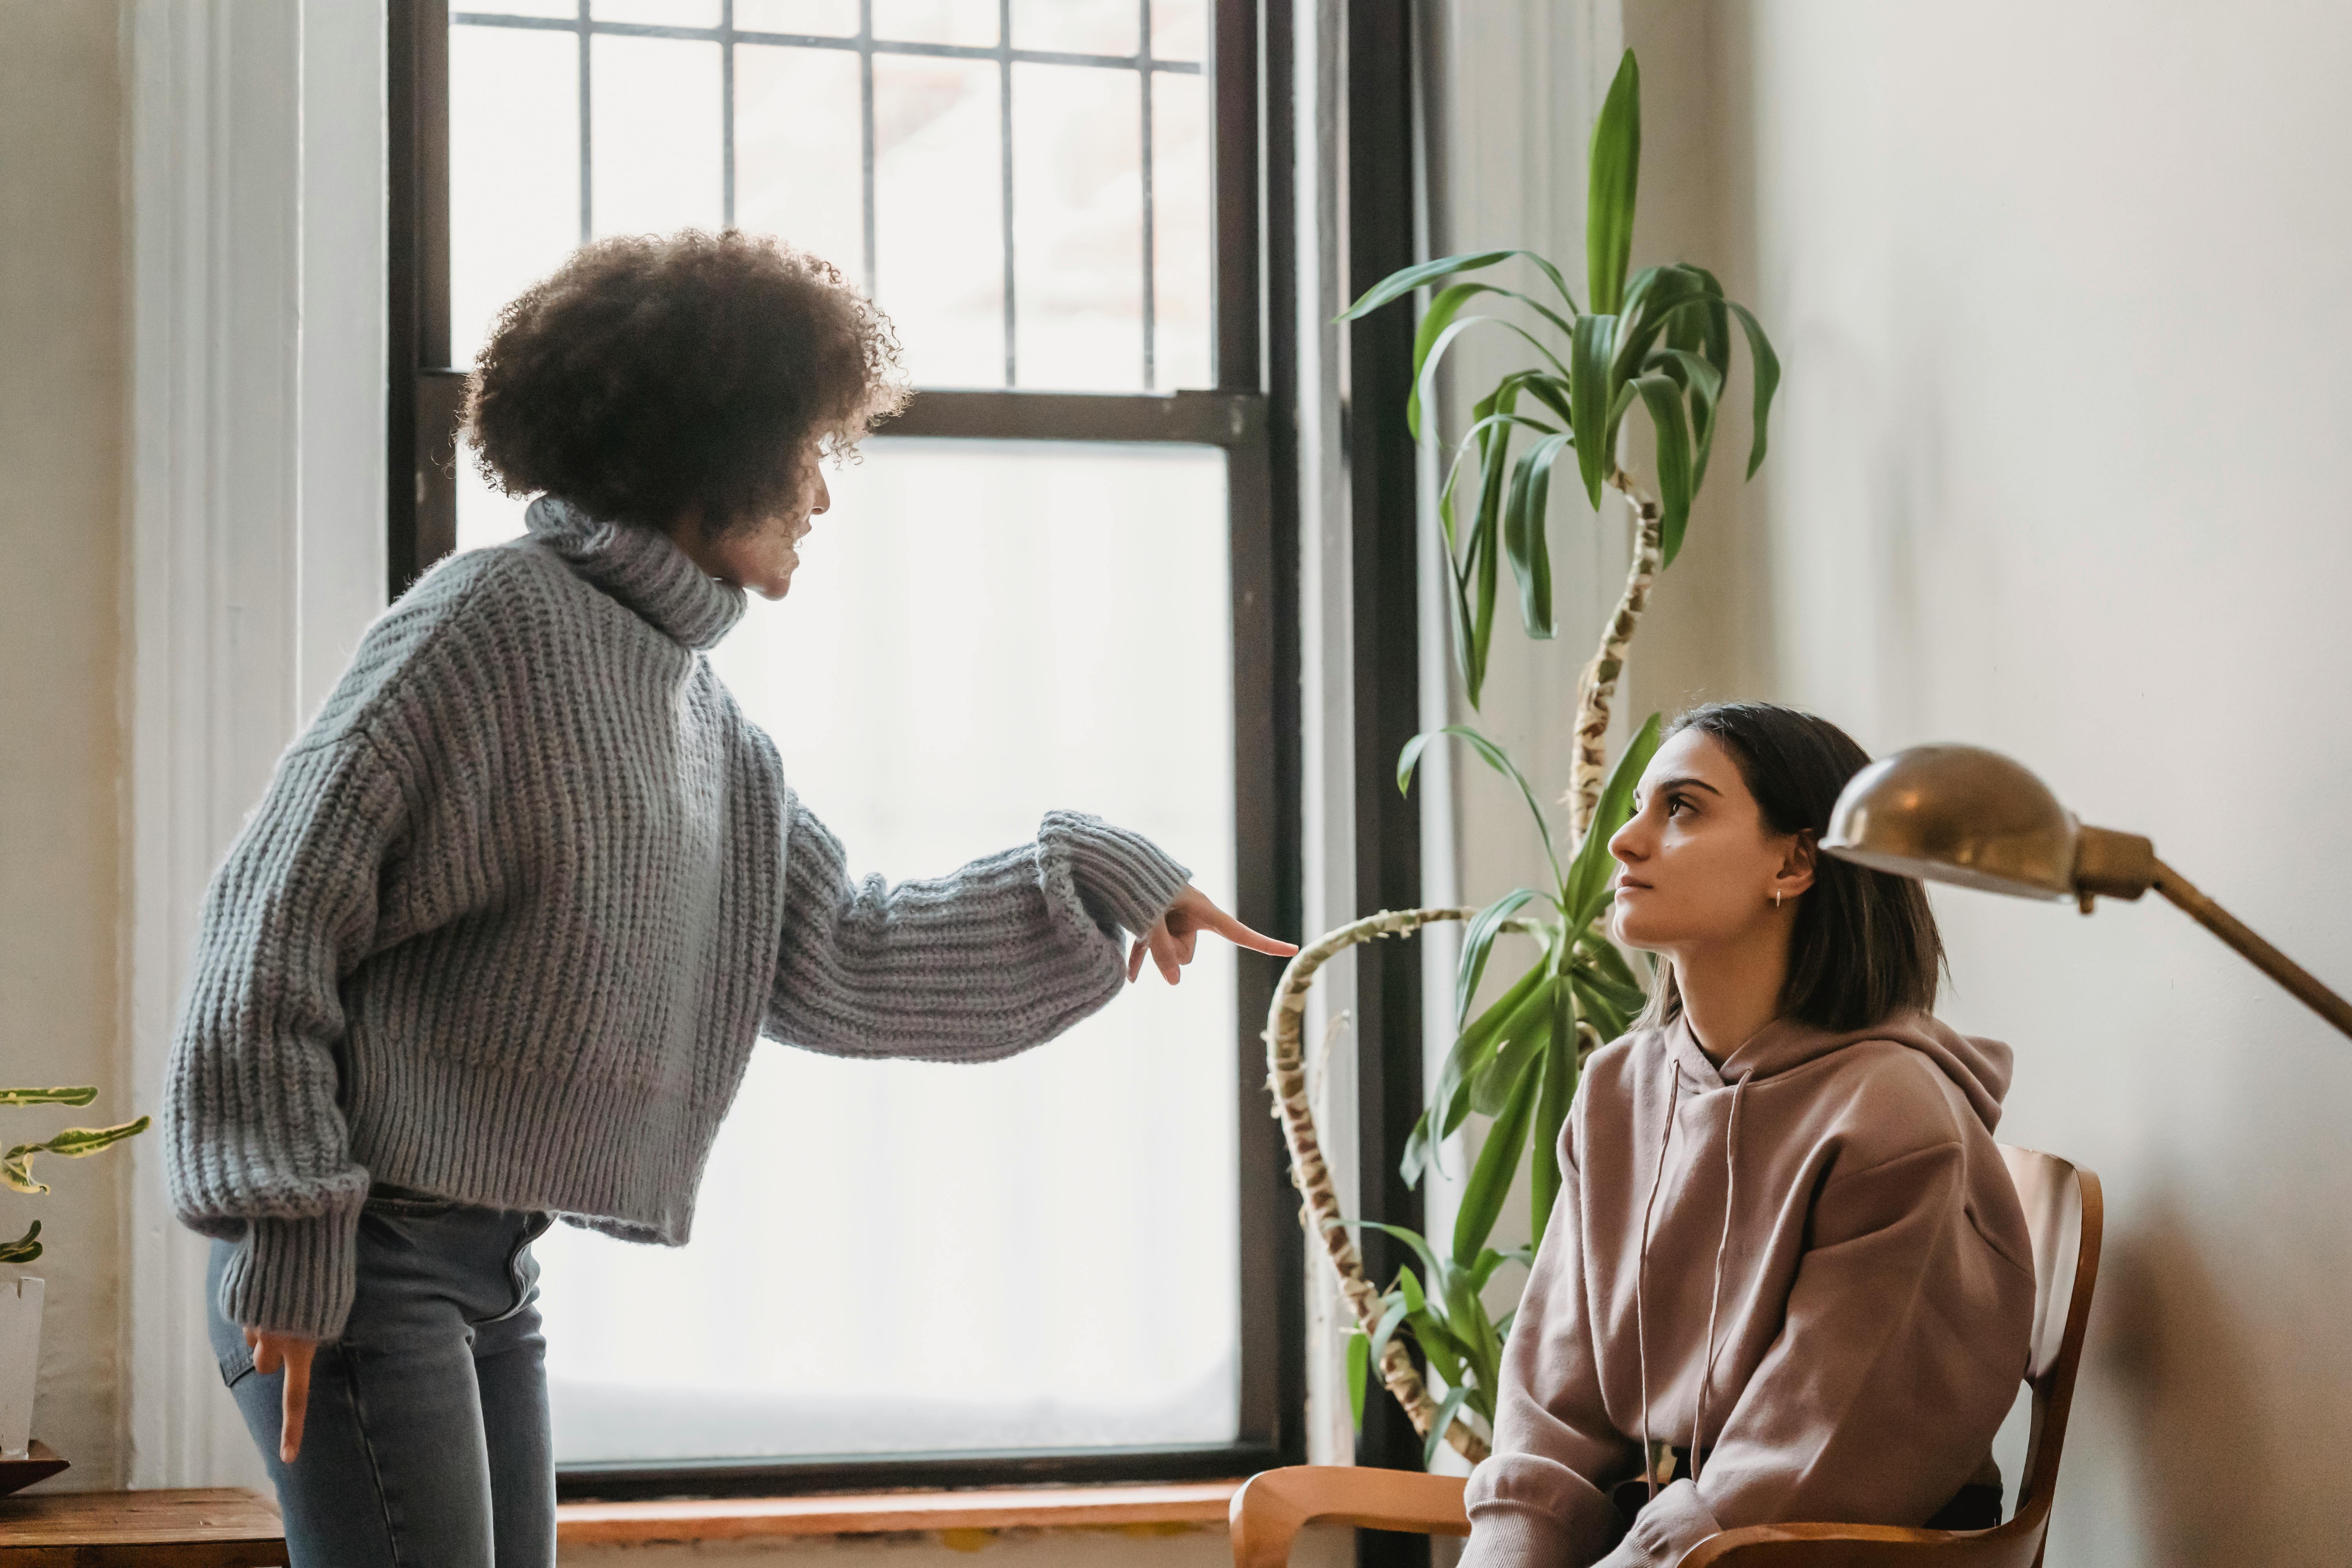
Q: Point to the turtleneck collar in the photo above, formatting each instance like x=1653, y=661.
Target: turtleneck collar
x=642, y=569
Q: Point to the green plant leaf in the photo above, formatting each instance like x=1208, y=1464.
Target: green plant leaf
x=1703, y=385
x=1390, y=1318
x=1663, y=399
x=24, y=1248
x=81, y=1096
x=1767, y=380
x=1495, y=757
x=1441, y=1425
x=1359, y=1373
x=1447, y=1356
x=1589, y=394
x=1589, y=873
x=1602, y=990
x=1491, y=1082
x=1559, y=1074
x=1449, y=1102
x=1610, y=187
x=1406, y=280
x=1610, y=966
x=1498, y=1162
x=1412, y=1238
x=1524, y=537
x=1438, y=330
x=1652, y=303
x=1552, y=392
x=1431, y=339
x=73, y=1143
x=1479, y=943
x=1409, y=1287
x=1608, y=1020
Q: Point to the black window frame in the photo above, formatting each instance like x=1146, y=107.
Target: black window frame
x=1250, y=414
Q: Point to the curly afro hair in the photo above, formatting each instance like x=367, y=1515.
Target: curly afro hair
x=649, y=375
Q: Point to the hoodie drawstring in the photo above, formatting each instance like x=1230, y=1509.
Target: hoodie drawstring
x=1730, y=1191
x=1641, y=1267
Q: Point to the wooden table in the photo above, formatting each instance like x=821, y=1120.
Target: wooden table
x=214, y=1528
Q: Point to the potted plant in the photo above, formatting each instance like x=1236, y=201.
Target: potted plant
x=1659, y=339
x=20, y=1295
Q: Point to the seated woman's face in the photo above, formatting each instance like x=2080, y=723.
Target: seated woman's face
x=1696, y=866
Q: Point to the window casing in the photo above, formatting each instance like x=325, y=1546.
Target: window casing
x=1230, y=415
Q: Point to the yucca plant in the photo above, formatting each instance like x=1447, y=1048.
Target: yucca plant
x=73, y=1143
x=1659, y=339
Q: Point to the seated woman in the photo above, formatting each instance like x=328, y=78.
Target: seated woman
x=1788, y=1267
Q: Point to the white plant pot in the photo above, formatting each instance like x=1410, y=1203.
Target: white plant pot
x=20, y=1362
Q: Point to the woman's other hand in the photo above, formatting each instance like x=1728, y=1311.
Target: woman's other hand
x=1170, y=940
x=293, y=1352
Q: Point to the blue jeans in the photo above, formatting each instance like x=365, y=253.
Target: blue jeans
x=425, y=1444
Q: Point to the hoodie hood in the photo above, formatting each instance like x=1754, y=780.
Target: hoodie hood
x=1980, y=1068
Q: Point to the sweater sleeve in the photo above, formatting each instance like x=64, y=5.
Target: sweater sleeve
x=254, y=1132
x=1536, y=1501
x=1877, y=1401
x=1005, y=955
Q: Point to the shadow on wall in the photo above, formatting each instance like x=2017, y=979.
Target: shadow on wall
x=2217, y=1483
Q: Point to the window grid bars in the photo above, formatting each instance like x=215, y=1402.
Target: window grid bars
x=727, y=36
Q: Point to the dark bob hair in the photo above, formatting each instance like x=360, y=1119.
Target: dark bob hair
x=652, y=374
x=1864, y=945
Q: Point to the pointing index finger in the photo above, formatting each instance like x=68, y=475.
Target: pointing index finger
x=1240, y=935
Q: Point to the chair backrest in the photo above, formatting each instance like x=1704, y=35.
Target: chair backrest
x=2064, y=1216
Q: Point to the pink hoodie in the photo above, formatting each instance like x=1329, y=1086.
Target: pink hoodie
x=1828, y=1213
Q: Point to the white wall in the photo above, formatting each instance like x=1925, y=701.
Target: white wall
x=61, y=387
x=2059, y=470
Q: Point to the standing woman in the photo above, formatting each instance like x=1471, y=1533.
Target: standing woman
x=496, y=943
x=1787, y=1277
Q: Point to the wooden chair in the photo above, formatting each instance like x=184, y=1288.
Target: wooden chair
x=2062, y=1213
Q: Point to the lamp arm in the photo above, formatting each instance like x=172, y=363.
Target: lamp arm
x=2260, y=954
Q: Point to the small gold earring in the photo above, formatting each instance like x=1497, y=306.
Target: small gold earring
x=1776, y=897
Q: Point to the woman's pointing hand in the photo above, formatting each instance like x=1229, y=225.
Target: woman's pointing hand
x=1170, y=941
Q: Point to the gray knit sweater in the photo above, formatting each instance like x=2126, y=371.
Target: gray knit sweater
x=513, y=910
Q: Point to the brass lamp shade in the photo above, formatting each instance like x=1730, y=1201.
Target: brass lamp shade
x=1958, y=814
x=1964, y=814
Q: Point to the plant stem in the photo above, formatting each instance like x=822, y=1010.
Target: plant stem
x=1286, y=1077
x=1598, y=684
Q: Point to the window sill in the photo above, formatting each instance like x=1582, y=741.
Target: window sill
x=964, y=1519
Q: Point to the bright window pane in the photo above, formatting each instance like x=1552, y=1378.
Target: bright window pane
x=661, y=13
x=798, y=152
x=1077, y=227
x=970, y=22
x=1077, y=27
x=514, y=169
x=484, y=516
x=655, y=157
x=1180, y=29
x=819, y=18
x=1180, y=230
x=939, y=215
x=563, y=8
x=1034, y=1253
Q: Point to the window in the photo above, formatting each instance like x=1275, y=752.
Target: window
x=1056, y=581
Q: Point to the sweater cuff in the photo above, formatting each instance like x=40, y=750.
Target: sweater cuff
x=294, y=1275
x=1124, y=881
x=1673, y=1522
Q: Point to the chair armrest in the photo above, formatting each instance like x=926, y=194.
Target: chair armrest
x=2017, y=1544
x=1271, y=1509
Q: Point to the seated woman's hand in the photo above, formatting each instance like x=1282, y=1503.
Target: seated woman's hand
x=1170, y=941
